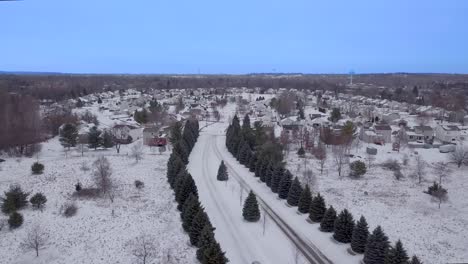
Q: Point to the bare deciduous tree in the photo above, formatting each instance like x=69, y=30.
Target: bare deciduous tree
x=320, y=154
x=137, y=151
x=419, y=168
x=144, y=248
x=442, y=170
x=35, y=239
x=459, y=156
x=339, y=157
x=102, y=176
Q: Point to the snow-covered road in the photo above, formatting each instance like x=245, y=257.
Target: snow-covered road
x=243, y=242
x=288, y=237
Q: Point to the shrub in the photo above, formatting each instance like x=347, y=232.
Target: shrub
x=301, y=152
x=358, y=168
x=37, y=168
x=139, y=184
x=392, y=165
x=398, y=175
x=78, y=187
x=15, y=220
x=38, y=201
x=14, y=199
x=436, y=188
x=69, y=209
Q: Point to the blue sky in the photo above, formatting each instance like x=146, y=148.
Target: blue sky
x=216, y=36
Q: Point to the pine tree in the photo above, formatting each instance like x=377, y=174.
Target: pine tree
x=277, y=176
x=294, y=192
x=205, y=240
x=214, y=255
x=360, y=235
x=187, y=188
x=305, y=200
x=284, y=185
x=415, y=260
x=94, y=138
x=174, y=166
x=15, y=220
x=38, y=200
x=251, y=212
x=317, y=209
x=68, y=136
x=190, y=209
x=252, y=162
x=269, y=174
x=376, y=247
x=328, y=221
x=222, y=172
x=15, y=199
x=175, y=134
x=344, y=225
x=180, y=148
x=258, y=167
x=107, y=139
x=264, y=169
x=396, y=254
x=198, y=223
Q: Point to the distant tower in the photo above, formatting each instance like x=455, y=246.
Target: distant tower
x=351, y=73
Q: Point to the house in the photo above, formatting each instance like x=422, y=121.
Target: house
x=385, y=131
x=447, y=133
x=390, y=117
x=291, y=123
x=152, y=136
x=426, y=131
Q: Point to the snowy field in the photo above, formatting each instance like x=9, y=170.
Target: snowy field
x=400, y=206
x=95, y=234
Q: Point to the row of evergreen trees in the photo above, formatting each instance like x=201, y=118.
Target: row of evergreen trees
x=68, y=137
x=266, y=161
x=195, y=220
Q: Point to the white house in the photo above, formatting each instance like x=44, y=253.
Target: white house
x=447, y=133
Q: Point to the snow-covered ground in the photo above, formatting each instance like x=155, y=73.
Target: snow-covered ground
x=95, y=234
x=400, y=207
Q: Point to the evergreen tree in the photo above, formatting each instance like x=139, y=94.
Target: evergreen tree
x=15, y=199
x=214, y=255
x=258, y=167
x=269, y=174
x=37, y=168
x=305, y=200
x=328, y=221
x=68, y=136
x=415, y=260
x=94, y=138
x=396, y=254
x=198, y=223
x=222, y=172
x=264, y=169
x=344, y=225
x=285, y=185
x=251, y=212
x=301, y=152
x=180, y=148
x=38, y=200
x=360, y=235
x=205, y=240
x=252, y=162
x=335, y=115
x=189, y=210
x=174, y=166
x=276, y=179
x=376, y=247
x=317, y=209
x=246, y=123
x=107, y=139
x=294, y=192
x=15, y=220
x=188, y=187
x=175, y=134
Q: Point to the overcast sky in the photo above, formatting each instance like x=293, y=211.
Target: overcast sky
x=234, y=36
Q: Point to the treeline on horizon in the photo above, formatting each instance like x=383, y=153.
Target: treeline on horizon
x=65, y=86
